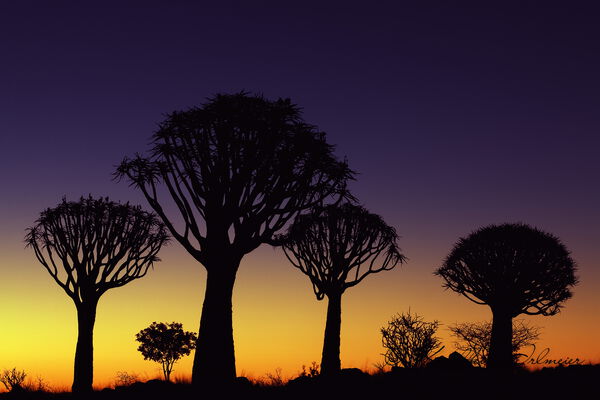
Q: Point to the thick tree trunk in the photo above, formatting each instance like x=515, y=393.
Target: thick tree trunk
x=500, y=354
x=330, y=361
x=83, y=373
x=214, y=360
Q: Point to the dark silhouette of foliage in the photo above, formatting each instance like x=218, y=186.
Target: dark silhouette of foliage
x=89, y=247
x=165, y=344
x=514, y=269
x=237, y=169
x=312, y=372
x=410, y=341
x=337, y=246
x=125, y=378
x=13, y=379
x=473, y=339
x=274, y=379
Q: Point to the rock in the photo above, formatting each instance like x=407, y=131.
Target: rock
x=454, y=361
x=458, y=361
x=440, y=362
x=351, y=372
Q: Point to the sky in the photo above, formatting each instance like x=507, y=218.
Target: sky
x=455, y=115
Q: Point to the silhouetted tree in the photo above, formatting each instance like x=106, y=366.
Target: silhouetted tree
x=165, y=344
x=91, y=246
x=337, y=246
x=473, y=339
x=410, y=341
x=514, y=269
x=238, y=169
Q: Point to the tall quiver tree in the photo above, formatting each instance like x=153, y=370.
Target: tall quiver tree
x=514, y=269
x=89, y=247
x=236, y=170
x=337, y=246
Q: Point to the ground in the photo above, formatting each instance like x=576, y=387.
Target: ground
x=474, y=383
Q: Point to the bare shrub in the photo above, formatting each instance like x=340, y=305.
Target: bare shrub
x=410, y=341
x=124, y=378
x=473, y=339
x=12, y=379
x=313, y=370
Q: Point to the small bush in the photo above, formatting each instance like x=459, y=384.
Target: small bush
x=13, y=379
x=124, y=378
x=380, y=367
x=165, y=344
x=275, y=379
x=313, y=370
x=410, y=341
x=39, y=385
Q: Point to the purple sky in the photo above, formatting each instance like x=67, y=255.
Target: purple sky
x=454, y=116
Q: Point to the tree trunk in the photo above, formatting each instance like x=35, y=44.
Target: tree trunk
x=330, y=361
x=500, y=354
x=83, y=373
x=167, y=374
x=214, y=360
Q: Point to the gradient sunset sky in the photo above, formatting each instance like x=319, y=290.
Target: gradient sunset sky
x=455, y=115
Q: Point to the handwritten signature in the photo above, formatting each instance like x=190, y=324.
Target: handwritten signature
x=542, y=358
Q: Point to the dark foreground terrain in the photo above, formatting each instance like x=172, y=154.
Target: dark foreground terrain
x=573, y=382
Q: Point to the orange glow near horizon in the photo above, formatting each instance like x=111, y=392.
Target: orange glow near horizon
x=277, y=321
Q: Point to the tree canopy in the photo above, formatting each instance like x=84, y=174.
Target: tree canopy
x=243, y=165
x=92, y=245
x=337, y=246
x=512, y=266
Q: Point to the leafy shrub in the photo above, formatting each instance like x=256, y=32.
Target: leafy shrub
x=165, y=344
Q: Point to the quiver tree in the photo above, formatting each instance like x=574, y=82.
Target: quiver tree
x=473, y=339
x=89, y=247
x=236, y=171
x=165, y=344
x=514, y=269
x=337, y=246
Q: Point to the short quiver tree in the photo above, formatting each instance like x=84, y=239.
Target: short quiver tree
x=410, y=341
x=337, y=246
x=89, y=247
x=165, y=344
x=514, y=269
